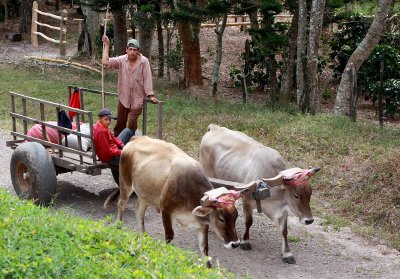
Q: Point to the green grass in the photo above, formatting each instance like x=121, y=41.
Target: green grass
x=368, y=8
x=360, y=162
x=294, y=239
x=38, y=242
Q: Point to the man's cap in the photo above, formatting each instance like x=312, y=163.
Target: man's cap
x=133, y=43
x=106, y=112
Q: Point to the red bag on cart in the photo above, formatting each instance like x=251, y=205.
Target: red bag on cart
x=74, y=102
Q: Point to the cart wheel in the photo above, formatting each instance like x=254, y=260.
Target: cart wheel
x=32, y=173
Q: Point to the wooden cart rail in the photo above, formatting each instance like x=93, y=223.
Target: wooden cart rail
x=53, y=148
x=16, y=97
x=82, y=90
x=65, y=158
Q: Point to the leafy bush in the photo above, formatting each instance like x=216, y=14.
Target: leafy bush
x=370, y=75
x=346, y=41
x=391, y=95
x=266, y=42
x=235, y=75
x=390, y=56
x=40, y=243
x=175, y=57
x=99, y=39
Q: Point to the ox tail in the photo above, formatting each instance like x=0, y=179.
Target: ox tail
x=111, y=198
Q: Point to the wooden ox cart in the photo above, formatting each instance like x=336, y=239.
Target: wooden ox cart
x=36, y=161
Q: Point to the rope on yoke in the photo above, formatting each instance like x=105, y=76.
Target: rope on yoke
x=300, y=178
x=220, y=197
x=226, y=200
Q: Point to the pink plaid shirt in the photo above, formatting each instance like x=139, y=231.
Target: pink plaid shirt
x=133, y=84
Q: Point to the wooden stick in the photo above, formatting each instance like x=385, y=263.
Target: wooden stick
x=103, y=100
x=62, y=61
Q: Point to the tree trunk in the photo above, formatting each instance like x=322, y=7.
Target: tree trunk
x=85, y=43
x=286, y=94
x=132, y=25
x=364, y=49
x=315, y=27
x=189, y=34
x=26, y=17
x=272, y=68
x=160, y=38
x=219, y=30
x=57, y=6
x=146, y=31
x=169, y=30
x=271, y=64
x=90, y=31
x=120, y=31
x=5, y=5
x=301, y=48
x=253, y=19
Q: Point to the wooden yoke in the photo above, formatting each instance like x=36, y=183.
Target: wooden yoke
x=259, y=189
x=213, y=195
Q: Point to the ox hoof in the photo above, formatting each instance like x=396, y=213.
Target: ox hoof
x=289, y=260
x=208, y=264
x=245, y=246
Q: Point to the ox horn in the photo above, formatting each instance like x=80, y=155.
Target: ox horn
x=315, y=169
x=206, y=202
x=297, y=176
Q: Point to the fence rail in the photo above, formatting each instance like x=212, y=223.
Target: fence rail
x=62, y=28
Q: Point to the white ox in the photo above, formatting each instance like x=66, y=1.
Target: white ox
x=164, y=176
x=234, y=156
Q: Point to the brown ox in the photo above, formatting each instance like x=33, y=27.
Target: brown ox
x=164, y=176
x=232, y=155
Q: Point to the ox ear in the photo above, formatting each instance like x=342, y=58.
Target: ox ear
x=202, y=211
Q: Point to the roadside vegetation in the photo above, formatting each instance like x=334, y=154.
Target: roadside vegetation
x=39, y=242
x=357, y=186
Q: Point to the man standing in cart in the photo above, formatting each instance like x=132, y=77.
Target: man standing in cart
x=134, y=83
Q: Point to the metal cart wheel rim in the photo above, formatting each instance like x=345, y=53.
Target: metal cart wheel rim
x=23, y=178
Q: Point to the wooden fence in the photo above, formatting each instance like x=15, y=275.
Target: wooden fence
x=4, y=4
x=235, y=20
x=62, y=28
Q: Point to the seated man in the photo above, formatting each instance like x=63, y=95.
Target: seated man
x=108, y=147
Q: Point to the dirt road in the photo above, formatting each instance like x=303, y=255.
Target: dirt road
x=320, y=251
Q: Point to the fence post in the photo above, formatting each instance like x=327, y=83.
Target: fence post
x=246, y=70
x=63, y=35
x=159, y=119
x=380, y=105
x=34, y=39
x=243, y=27
x=353, y=92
